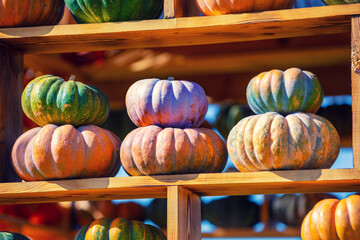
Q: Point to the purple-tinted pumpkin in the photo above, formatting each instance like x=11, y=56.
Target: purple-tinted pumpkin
x=270, y=141
x=53, y=152
x=153, y=150
x=166, y=103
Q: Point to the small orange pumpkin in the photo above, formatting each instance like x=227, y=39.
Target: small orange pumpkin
x=332, y=219
x=153, y=150
x=60, y=152
x=219, y=7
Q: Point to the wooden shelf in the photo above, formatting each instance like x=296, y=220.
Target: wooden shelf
x=211, y=184
x=181, y=31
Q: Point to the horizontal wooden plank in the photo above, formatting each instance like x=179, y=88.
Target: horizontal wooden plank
x=181, y=31
x=215, y=184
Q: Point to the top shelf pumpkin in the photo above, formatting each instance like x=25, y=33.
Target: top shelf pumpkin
x=98, y=11
x=14, y=13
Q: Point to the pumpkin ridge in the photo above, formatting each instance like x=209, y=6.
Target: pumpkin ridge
x=136, y=106
x=231, y=141
x=116, y=163
x=215, y=167
x=249, y=147
x=189, y=96
x=205, y=154
x=136, y=161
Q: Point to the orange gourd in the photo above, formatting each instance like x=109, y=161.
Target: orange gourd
x=62, y=152
x=332, y=219
x=153, y=150
x=219, y=7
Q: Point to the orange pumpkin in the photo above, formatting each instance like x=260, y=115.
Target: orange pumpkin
x=16, y=13
x=332, y=219
x=59, y=152
x=219, y=7
x=270, y=141
x=153, y=150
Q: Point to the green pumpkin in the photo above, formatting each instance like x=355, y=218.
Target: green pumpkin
x=336, y=2
x=12, y=236
x=97, y=11
x=51, y=100
x=285, y=92
x=119, y=228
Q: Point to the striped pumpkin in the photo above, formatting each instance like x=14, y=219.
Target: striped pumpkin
x=51, y=100
x=270, y=141
x=285, y=92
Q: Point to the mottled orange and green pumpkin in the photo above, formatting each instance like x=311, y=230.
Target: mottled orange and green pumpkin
x=271, y=141
x=12, y=236
x=285, y=92
x=49, y=99
x=332, y=219
x=119, y=228
x=153, y=150
x=219, y=7
x=64, y=152
x=15, y=13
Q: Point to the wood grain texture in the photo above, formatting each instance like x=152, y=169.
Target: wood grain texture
x=11, y=86
x=182, y=31
x=184, y=214
x=210, y=184
x=355, y=88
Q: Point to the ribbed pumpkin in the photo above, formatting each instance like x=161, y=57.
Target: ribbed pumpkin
x=270, y=141
x=54, y=152
x=232, y=212
x=291, y=209
x=285, y=92
x=332, y=219
x=153, y=150
x=12, y=236
x=216, y=7
x=335, y=2
x=97, y=11
x=24, y=13
x=49, y=99
x=166, y=103
x=119, y=228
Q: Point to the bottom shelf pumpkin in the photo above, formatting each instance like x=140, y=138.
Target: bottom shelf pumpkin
x=271, y=141
x=66, y=152
x=119, y=228
x=332, y=219
x=12, y=236
x=154, y=150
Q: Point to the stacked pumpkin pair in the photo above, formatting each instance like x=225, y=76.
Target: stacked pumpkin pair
x=68, y=144
x=285, y=133
x=168, y=140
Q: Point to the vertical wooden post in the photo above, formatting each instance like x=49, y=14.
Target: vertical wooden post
x=183, y=213
x=180, y=8
x=355, y=88
x=11, y=121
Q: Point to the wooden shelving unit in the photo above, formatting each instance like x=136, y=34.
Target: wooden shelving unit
x=182, y=191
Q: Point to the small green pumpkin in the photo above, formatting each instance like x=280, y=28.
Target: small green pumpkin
x=51, y=100
x=285, y=92
x=97, y=11
x=12, y=236
x=119, y=228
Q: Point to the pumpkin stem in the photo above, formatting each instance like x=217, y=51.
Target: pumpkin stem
x=170, y=78
x=72, y=77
